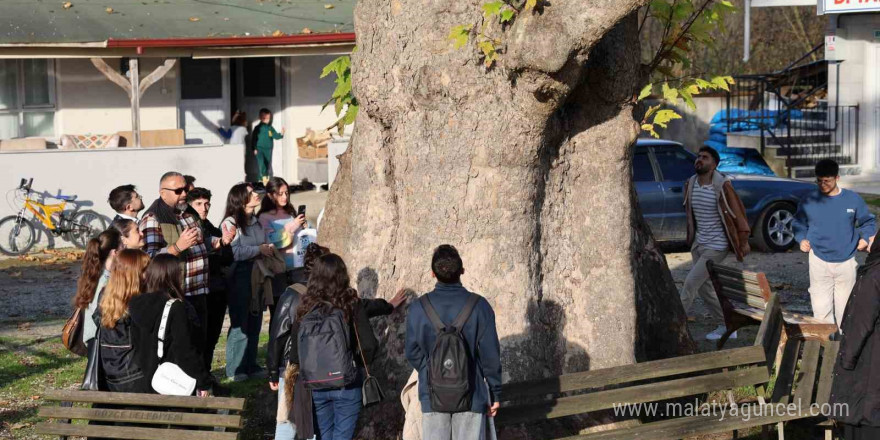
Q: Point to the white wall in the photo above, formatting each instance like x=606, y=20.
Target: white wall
x=856, y=46
x=307, y=92
x=88, y=103
x=91, y=174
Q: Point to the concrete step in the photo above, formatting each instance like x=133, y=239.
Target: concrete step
x=806, y=149
x=797, y=162
x=808, y=172
x=811, y=125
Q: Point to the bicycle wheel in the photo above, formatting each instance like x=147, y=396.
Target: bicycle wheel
x=85, y=226
x=17, y=236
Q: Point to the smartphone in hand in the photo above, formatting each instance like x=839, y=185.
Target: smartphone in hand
x=301, y=210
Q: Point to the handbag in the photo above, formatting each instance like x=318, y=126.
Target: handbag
x=372, y=392
x=169, y=379
x=92, y=378
x=72, y=333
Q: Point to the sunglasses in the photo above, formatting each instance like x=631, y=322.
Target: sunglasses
x=177, y=191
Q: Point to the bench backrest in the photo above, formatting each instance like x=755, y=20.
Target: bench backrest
x=647, y=381
x=146, y=416
x=746, y=287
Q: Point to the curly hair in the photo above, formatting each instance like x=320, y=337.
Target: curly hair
x=97, y=252
x=313, y=252
x=329, y=287
x=125, y=283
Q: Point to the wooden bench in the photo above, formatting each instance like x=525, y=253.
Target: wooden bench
x=743, y=296
x=140, y=416
x=657, y=382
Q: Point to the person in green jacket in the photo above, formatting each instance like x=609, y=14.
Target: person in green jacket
x=264, y=136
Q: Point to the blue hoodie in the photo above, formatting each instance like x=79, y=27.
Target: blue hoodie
x=479, y=332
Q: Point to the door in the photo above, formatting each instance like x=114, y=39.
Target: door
x=648, y=190
x=258, y=86
x=204, y=99
x=676, y=165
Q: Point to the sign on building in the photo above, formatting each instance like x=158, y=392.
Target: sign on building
x=844, y=6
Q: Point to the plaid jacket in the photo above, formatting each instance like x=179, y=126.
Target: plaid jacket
x=195, y=280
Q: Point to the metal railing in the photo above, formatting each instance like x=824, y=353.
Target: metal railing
x=789, y=110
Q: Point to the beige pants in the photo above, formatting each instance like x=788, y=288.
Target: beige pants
x=830, y=286
x=697, y=281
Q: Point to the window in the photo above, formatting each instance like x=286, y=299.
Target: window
x=27, y=98
x=642, y=170
x=676, y=164
x=201, y=79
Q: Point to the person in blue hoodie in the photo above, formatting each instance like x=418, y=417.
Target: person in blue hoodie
x=831, y=224
x=447, y=300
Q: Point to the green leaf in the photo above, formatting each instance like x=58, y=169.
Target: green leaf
x=721, y=82
x=670, y=94
x=646, y=91
x=664, y=116
x=650, y=129
x=688, y=98
x=460, y=34
x=507, y=15
x=703, y=84
x=651, y=110
x=666, y=70
x=338, y=65
x=661, y=9
x=530, y=4
x=492, y=8
x=489, y=51
x=338, y=106
x=682, y=10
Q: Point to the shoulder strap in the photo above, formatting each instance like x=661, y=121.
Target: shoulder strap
x=465, y=313
x=164, y=323
x=432, y=314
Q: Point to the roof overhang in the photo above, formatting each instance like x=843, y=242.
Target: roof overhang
x=215, y=47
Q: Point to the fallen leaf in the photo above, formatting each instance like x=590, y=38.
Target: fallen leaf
x=108, y=10
x=24, y=325
x=20, y=425
x=329, y=6
x=35, y=397
x=278, y=33
x=194, y=19
x=15, y=275
x=52, y=260
x=67, y=5
x=306, y=31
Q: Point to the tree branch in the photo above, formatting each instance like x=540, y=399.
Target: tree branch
x=665, y=50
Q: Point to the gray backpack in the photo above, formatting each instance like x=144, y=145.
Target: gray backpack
x=326, y=360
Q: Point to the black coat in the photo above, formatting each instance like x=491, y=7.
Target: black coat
x=857, y=370
x=283, y=344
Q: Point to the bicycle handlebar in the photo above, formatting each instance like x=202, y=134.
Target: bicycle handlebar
x=26, y=186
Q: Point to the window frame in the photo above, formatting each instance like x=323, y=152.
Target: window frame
x=21, y=89
x=649, y=152
x=672, y=148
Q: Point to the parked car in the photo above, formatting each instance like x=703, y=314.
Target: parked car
x=660, y=169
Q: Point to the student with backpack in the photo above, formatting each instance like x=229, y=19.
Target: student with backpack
x=281, y=338
x=452, y=341
x=334, y=343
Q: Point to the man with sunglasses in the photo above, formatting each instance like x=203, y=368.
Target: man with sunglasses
x=168, y=227
x=832, y=224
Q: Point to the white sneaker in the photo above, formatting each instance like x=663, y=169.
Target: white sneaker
x=718, y=333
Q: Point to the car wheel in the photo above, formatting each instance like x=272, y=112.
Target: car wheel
x=775, y=230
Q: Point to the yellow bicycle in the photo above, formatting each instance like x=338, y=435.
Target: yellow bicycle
x=17, y=233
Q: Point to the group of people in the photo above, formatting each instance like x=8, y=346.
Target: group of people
x=832, y=224
x=156, y=285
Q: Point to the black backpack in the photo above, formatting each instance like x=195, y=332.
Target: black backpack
x=449, y=362
x=117, y=357
x=326, y=360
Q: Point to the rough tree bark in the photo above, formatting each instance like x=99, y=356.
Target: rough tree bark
x=525, y=168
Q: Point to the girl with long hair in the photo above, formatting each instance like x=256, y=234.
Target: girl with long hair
x=132, y=237
x=117, y=352
x=282, y=377
x=248, y=245
x=97, y=261
x=335, y=410
x=161, y=283
x=279, y=219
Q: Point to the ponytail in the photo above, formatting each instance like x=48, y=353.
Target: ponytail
x=97, y=251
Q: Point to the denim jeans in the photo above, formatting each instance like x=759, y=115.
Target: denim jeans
x=244, y=326
x=455, y=426
x=337, y=412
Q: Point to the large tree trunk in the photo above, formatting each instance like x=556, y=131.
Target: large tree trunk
x=525, y=168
